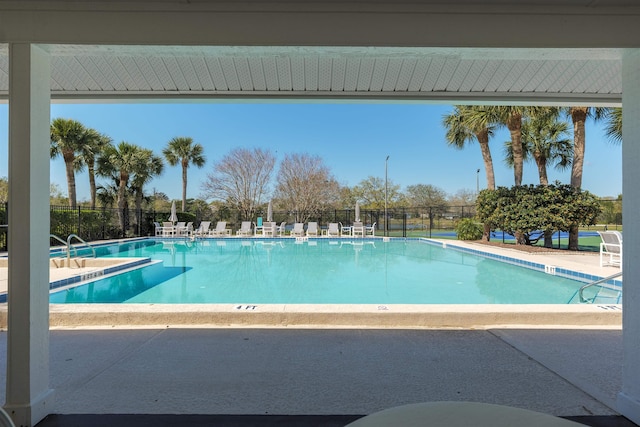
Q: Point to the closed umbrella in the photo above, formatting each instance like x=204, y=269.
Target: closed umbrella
x=357, y=212
x=269, y=212
x=173, y=217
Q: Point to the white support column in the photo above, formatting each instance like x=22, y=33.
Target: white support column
x=29, y=398
x=629, y=397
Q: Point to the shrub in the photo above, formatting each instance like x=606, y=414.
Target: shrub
x=468, y=229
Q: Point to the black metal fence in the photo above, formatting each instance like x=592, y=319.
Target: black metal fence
x=104, y=223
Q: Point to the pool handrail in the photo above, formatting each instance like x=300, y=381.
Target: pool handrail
x=598, y=282
x=69, y=246
x=54, y=237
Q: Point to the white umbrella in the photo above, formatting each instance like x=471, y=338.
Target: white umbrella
x=269, y=212
x=357, y=212
x=173, y=217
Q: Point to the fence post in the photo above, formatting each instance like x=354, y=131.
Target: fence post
x=79, y=221
x=404, y=222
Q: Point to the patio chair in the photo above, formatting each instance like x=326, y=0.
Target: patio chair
x=312, y=229
x=611, y=248
x=370, y=230
x=345, y=230
x=203, y=229
x=168, y=229
x=298, y=229
x=282, y=228
x=245, y=229
x=269, y=229
x=357, y=229
x=158, y=228
x=333, y=230
x=221, y=230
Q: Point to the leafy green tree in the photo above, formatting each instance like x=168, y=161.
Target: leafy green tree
x=184, y=151
x=56, y=196
x=468, y=229
x=4, y=189
x=530, y=212
x=469, y=123
x=425, y=195
x=346, y=198
x=66, y=140
x=371, y=193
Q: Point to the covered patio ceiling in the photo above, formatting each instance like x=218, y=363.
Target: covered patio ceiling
x=550, y=75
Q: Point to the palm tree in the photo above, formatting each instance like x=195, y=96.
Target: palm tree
x=149, y=166
x=467, y=123
x=511, y=117
x=183, y=150
x=120, y=162
x=92, y=144
x=542, y=141
x=66, y=140
x=108, y=194
x=579, y=116
x=613, y=125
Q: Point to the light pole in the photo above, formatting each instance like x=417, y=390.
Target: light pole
x=477, y=182
x=386, y=192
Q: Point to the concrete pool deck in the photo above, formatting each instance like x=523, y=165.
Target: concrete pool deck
x=248, y=366
x=323, y=377
x=463, y=316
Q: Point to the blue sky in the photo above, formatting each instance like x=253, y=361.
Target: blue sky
x=352, y=138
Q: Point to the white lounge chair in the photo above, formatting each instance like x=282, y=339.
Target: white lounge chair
x=186, y=230
x=180, y=228
x=333, y=230
x=611, y=248
x=245, y=229
x=203, y=229
x=221, y=230
x=370, y=230
x=312, y=229
x=298, y=229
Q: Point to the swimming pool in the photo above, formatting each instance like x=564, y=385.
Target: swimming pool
x=320, y=271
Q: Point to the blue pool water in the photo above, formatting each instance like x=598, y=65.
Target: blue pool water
x=319, y=271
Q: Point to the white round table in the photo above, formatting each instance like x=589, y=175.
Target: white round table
x=459, y=414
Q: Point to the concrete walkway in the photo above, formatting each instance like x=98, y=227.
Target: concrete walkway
x=267, y=371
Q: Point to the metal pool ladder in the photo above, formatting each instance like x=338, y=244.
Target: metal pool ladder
x=70, y=246
x=602, y=284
